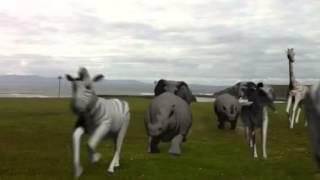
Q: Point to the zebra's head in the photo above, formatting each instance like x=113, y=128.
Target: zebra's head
x=83, y=93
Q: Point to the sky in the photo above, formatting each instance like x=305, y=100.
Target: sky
x=214, y=42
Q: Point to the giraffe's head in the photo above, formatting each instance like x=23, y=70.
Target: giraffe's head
x=291, y=55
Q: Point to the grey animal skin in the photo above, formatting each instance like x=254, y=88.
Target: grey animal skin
x=168, y=119
x=255, y=115
x=227, y=109
x=98, y=117
x=312, y=112
x=227, y=106
x=180, y=88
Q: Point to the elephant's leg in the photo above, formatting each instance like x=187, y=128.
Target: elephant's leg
x=76, y=138
x=100, y=132
x=153, y=143
x=175, y=148
x=118, y=144
x=314, y=136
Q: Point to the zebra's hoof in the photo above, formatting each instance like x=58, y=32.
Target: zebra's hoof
x=95, y=157
x=111, y=170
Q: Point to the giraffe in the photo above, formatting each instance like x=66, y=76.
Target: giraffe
x=297, y=92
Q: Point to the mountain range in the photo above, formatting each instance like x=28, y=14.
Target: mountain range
x=15, y=85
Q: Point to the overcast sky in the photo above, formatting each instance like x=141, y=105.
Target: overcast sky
x=207, y=41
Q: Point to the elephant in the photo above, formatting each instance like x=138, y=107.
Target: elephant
x=168, y=118
x=312, y=112
x=180, y=88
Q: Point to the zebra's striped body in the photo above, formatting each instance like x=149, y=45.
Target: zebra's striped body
x=111, y=111
x=98, y=117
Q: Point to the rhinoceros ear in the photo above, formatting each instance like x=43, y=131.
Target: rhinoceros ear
x=160, y=87
x=185, y=93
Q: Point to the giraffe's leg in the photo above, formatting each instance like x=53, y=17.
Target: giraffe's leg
x=264, y=133
x=289, y=103
x=298, y=114
x=294, y=112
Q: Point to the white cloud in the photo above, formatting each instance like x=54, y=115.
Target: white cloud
x=210, y=41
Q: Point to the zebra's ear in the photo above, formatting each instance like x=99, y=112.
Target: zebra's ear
x=69, y=77
x=98, y=77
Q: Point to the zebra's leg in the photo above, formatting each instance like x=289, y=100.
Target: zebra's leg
x=100, y=132
x=118, y=144
x=294, y=112
x=264, y=133
x=298, y=114
x=246, y=134
x=254, y=145
x=175, y=148
x=78, y=132
x=289, y=103
x=305, y=122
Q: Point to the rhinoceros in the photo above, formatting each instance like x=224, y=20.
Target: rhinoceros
x=227, y=108
x=168, y=119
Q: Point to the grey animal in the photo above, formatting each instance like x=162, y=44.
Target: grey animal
x=255, y=115
x=179, y=88
x=227, y=106
x=312, y=112
x=98, y=117
x=227, y=109
x=169, y=117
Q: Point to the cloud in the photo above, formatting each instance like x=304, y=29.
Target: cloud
x=211, y=41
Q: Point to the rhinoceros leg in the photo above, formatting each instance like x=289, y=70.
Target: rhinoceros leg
x=175, y=148
x=220, y=119
x=221, y=122
x=233, y=125
x=153, y=145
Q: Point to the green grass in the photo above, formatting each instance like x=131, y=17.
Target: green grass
x=35, y=143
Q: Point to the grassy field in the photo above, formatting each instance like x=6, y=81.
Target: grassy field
x=35, y=143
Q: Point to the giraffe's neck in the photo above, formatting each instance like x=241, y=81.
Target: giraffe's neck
x=291, y=75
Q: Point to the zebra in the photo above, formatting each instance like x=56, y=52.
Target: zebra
x=100, y=118
x=255, y=115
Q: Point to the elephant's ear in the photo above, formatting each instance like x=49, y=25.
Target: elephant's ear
x=185, y=93
x=160, y=87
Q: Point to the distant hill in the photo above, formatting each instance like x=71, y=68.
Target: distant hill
x=48, y=86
